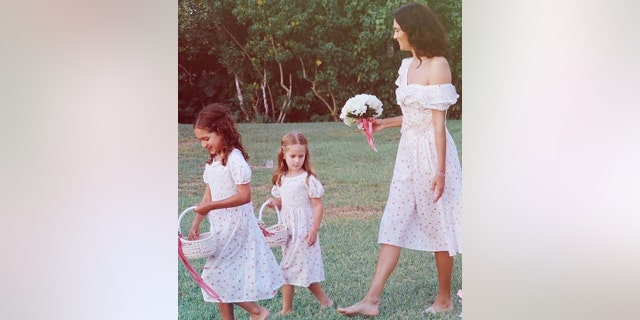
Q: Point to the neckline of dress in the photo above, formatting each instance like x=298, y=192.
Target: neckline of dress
x=296, y=176
x=406, y=78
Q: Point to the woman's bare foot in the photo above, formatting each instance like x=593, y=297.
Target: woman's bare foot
x=438, y=307
x=264, y=314
x=361, y=309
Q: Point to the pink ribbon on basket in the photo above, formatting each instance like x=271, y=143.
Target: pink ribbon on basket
x=366, y=124
x=196, y=277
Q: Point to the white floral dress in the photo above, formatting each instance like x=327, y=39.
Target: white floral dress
x=243, y=267
x=411, y=219
x=301, y=265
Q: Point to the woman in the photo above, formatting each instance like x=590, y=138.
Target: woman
x=424, y=208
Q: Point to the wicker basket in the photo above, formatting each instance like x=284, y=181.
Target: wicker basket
x=203, y=247
x=278, y=233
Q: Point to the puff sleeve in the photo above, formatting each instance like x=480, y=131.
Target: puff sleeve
x=275, y=191
x=238, y=167
x=316, y=190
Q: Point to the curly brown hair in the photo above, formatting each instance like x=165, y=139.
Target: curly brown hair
x=216, y=118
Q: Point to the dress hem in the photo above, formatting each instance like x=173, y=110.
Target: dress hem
x=451, y=252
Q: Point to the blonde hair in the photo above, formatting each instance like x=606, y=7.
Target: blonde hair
x=290, y=139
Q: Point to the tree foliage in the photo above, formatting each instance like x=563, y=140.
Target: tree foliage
x=293, y=60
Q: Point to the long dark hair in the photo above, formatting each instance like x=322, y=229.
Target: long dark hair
x=425, y=32
x=216, y=118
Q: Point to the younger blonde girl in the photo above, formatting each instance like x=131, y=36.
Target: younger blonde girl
x=297, y=191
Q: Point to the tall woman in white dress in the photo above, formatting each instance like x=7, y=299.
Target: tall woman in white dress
x=424, y=209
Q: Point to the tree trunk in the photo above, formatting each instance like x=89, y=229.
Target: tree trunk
x=264, y=93
x=287, y=102
x=332, y=107
x=240, y=98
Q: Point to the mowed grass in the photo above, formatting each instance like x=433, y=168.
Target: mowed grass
x=356, y=181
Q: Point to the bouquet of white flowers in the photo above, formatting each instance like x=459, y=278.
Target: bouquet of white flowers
x=362, y=109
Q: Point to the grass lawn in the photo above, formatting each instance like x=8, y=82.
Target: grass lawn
x=356, y=181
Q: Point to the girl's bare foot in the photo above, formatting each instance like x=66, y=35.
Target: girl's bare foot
x=326, y=305
x=264, y=314
x=361, y=309
x=283, y=312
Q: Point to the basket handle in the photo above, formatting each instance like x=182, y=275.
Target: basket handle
x=184, y=213
x=262, y=208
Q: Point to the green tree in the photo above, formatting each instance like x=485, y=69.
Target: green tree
x=295, y=60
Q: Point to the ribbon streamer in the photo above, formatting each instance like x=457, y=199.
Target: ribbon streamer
x=194, y=274
x=366, y=125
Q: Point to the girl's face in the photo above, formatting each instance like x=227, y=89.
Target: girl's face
x=209, y=140
x=295, y=155
x=401, y=37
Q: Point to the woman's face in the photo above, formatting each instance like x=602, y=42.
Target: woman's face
x=209, y=140
x=401, y=37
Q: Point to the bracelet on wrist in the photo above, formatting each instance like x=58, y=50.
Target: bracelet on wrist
x=441, y=174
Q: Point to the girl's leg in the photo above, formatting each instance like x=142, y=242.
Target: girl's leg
x=226, y=311
x=369, y=305
x=287, y=299
x=256, y=311
x=444, y=265
x=317, y=291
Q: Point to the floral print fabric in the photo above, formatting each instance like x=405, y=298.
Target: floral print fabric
x=301, y=265
x=411, y=219
x=243, y=267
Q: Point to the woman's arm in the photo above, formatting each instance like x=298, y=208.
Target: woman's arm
x=379, y=124
x=440, y=73
x=437, y=185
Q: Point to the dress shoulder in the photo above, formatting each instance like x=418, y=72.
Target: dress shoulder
x=239, y=168
x=402, y=72
x=316, y=190
x=437, y=96
x=275, y=191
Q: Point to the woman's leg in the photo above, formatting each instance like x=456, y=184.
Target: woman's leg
x=317, y=291
x=369, y=305
x=444, y=265
x=226, y=311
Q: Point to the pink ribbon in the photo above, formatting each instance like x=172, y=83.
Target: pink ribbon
x=194, y=274
x=366, y=125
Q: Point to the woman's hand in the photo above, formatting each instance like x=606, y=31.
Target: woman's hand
x=437, y=187
x=376, y=125
x=311, y=237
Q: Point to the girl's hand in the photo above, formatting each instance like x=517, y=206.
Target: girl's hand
x=194, y=231
x=437, y=187
x=272, y=203
x=311, y=237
